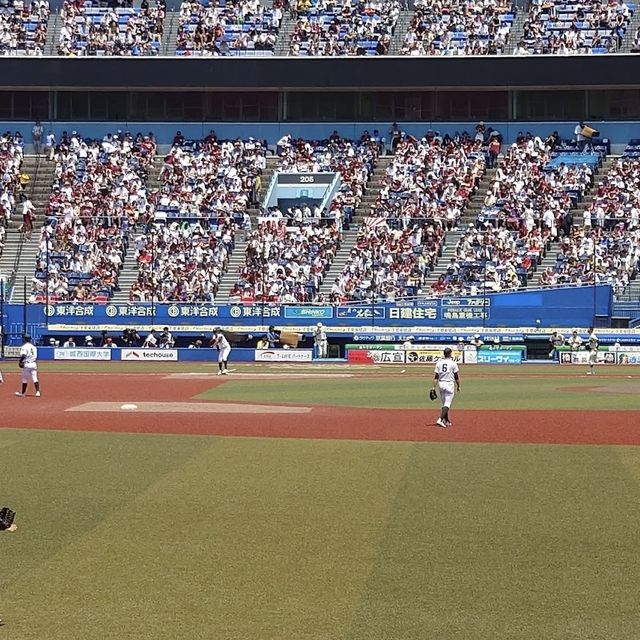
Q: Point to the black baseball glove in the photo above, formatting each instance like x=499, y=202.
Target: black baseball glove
x=433, y=394
x=7, y=516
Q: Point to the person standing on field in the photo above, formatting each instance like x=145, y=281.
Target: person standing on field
x=592, y=345
x=447, y=377
x=29, y=364
x=320, y=340
x=220, y=342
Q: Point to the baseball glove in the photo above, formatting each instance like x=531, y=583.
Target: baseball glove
x=433, y=394
x=21, y=364
x=7, y=516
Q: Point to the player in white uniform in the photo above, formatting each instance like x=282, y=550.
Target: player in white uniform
x=320, y=340
x=29, y=365
x=220, y=341
x=448, y=380
x=592, y=343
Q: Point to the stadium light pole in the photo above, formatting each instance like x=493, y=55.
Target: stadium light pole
x=154, y=285
x=46, y=294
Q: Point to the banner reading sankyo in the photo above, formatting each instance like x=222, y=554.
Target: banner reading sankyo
x=82, y=354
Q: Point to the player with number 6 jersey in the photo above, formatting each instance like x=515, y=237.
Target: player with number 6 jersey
x=447, y=377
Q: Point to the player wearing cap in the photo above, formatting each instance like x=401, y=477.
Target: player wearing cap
x=320, y=340
x=221, y=343
x=29, y=364
x=448, y=380
x=592, y=345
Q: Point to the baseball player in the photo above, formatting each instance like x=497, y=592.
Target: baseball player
x=592, y=345
x=575, y=341
x=29, y=364
x=556, y=341
x=448, y=380
x=320, y=340
x=150, y=342
x=221, y=343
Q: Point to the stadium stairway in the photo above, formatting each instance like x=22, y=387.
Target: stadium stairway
x=401, y=28
x=629, y=35
x=170, y=33
x=517, y=30
x=19, y=257
x=284, y=36
x=53, y=35
x=578, y=212
x=350, y=235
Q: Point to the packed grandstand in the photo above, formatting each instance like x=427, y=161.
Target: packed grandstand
x=315, y=28
x=412, y=233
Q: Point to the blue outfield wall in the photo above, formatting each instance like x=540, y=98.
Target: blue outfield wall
x=562, y=308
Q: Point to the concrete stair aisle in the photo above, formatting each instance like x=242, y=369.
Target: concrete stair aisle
x=578, y=212
x=630, y=33
x=476, y=202
x=267, y=175
x=230, y=276
x=349, y=236
x=170, y=33
x=517, y=30
x=41, y=173
x=448, y=251
x=346, y=244
x=284, y=36
x=53, y=36
x=128, y=275
x=400, y=31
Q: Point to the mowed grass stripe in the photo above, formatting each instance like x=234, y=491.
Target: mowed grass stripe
x=410, y=392
x=64, y=485
x=244, y=539
x=518, y=542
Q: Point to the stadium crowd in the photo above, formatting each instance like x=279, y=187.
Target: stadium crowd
x=226, y=28
x=10, y=181
x=526, y=194
x=284, y=263
x=388, y=263
x=606, y=247
x=91, y=31
x=98, y=194
x=182, y=262
x=205, y=190
x=289, y=253
x=23, y=27
x=449, y=27
x=590, y=26
x=430, y=179
x=350, y=28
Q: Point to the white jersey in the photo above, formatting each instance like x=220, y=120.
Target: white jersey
x=593, y=340
x=30, y=353
x=221, y=341
x=446, y=368
x=320, y=335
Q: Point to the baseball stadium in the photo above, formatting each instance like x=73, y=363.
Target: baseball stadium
x=319, y=321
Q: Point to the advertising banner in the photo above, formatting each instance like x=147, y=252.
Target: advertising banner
x=81, y=354
x=495, y=356
x=149, y=355
x=628, y=357
x=582, y=357
x=283, y=355
x=429, y=356
x=387, y=357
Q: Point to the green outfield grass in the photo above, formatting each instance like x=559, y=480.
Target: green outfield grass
x=409, y=391
x=131, y=536
x=153, y=537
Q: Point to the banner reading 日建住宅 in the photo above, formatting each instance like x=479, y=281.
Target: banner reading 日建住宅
x=517, y=309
